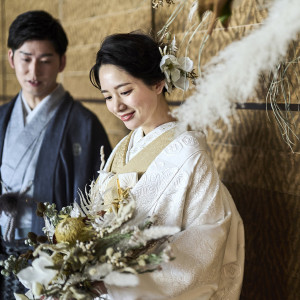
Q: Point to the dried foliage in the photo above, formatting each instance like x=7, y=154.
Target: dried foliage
x=282, y=81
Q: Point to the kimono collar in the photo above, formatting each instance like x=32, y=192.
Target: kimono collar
x=139, y=141
x=51, y=102
x=126, y=174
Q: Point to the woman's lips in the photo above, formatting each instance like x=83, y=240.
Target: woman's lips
x=127, y=117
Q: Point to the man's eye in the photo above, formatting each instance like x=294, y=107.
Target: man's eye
x=107, y=98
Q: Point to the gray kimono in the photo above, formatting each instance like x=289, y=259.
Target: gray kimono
x=53, y=156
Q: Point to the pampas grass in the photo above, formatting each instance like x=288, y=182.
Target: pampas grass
x=231, y=77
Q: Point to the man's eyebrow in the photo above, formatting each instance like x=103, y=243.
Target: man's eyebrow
x=42, y=55
x=116, y=87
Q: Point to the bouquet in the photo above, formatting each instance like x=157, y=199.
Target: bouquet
x=86, y=244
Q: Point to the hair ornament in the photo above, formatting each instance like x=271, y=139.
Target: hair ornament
x=178, y=71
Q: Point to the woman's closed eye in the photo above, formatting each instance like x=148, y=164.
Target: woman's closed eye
x=107, y=98
x=126, y=93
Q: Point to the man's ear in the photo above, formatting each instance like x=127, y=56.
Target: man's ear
x=63, y=61
x=159, y=87
x=10, y=56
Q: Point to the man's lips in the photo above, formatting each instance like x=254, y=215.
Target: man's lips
x=34, y=83
x=127, y=117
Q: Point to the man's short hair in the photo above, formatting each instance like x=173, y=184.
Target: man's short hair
x=37, y=25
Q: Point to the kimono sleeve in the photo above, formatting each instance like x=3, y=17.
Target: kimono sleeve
x=208, y=251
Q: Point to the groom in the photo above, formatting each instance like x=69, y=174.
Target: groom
x=49, y=143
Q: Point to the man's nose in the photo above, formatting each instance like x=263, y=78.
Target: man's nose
x=34, y=68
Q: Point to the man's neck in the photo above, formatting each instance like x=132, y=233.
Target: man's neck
x=33, y=101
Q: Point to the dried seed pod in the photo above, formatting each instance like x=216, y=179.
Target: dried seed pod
x=42, y=239
x=39, y=214
x=32, y=236
x=41, y=207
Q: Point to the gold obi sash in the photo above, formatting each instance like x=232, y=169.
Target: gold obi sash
x=138, y=164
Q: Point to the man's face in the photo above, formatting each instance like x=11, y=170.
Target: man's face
x=36, y=65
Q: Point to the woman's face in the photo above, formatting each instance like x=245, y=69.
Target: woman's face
x=131, y=100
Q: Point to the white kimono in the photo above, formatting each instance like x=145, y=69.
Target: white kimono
x=183, y=188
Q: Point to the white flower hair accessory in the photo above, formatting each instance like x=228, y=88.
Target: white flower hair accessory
x=178, y=71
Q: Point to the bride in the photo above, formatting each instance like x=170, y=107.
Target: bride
x=171, y=175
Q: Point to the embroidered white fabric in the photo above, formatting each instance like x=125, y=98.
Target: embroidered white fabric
x=182, y=187
x=139, y=141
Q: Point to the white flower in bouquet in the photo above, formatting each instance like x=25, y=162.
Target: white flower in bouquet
x=99, y=271
x=77, y=212
x=38, y=275
x=121, y=279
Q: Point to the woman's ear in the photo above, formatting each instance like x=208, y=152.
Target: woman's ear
x=159, y=86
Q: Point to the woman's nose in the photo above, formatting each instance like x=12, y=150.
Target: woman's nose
x=119, y=105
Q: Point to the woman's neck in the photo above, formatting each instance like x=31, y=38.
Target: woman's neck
x=163, y=116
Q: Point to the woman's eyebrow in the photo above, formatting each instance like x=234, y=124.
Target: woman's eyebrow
x=117, y=87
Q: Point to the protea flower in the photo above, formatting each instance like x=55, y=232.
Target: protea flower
x=69, y=230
